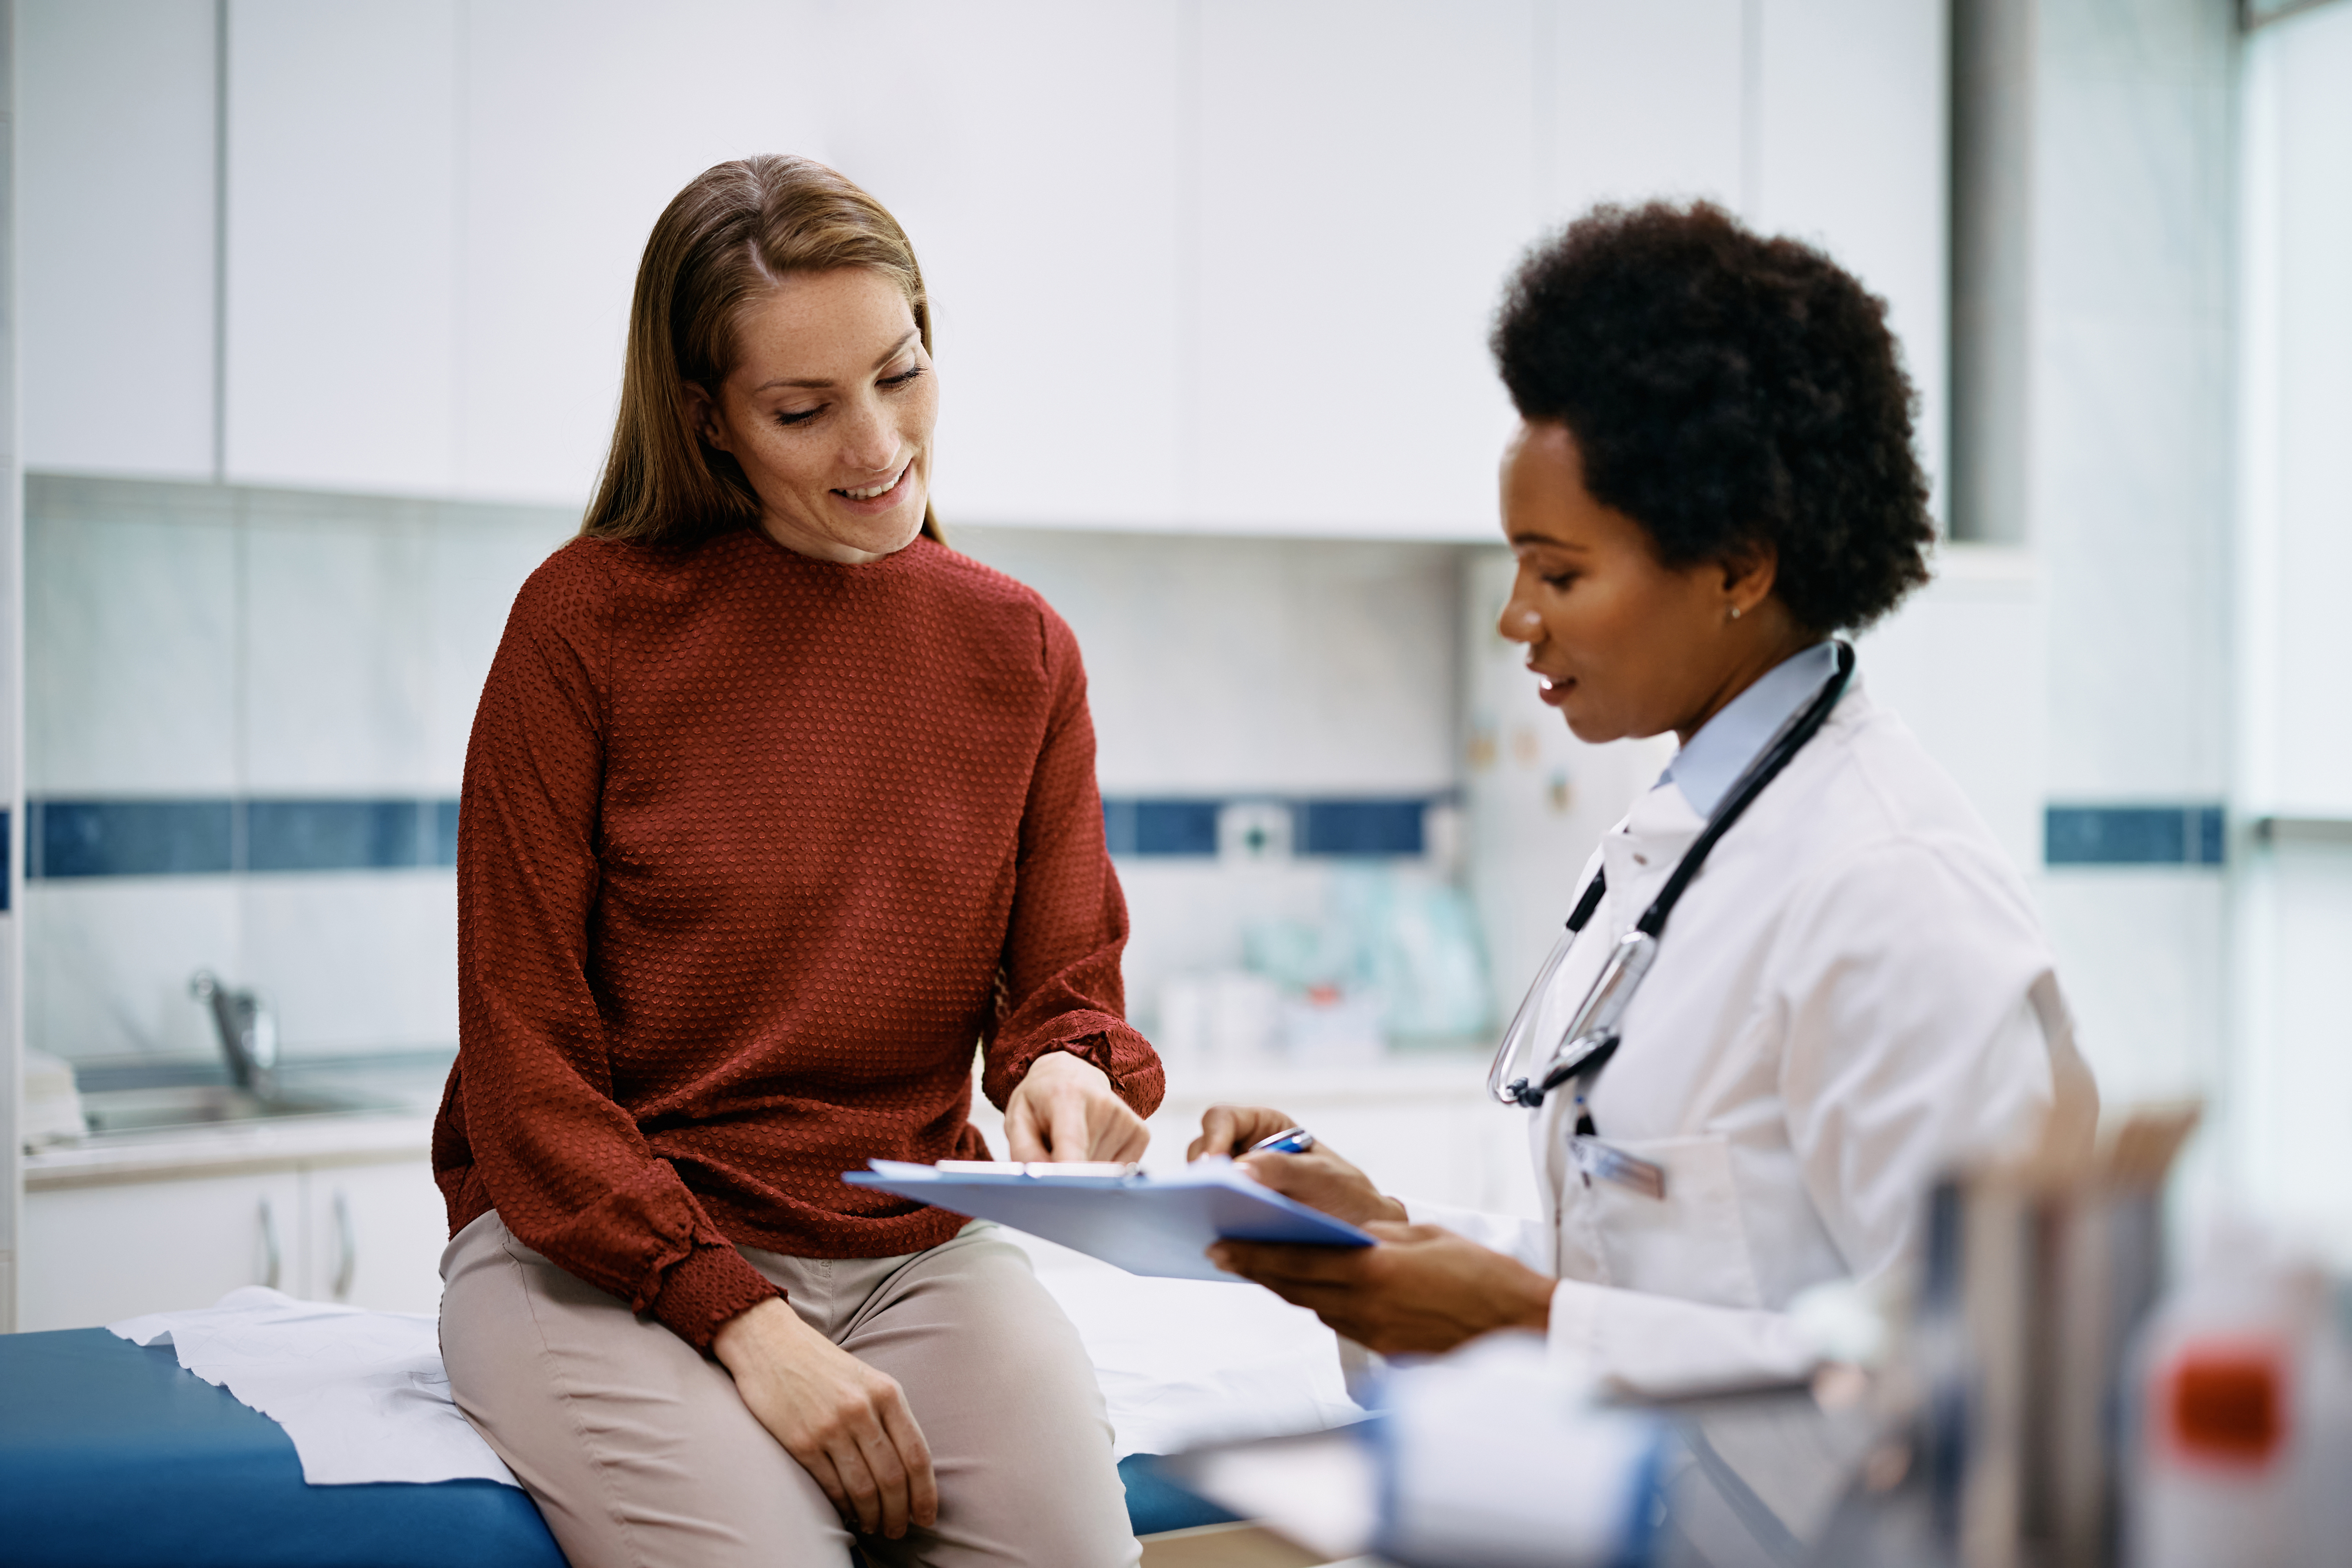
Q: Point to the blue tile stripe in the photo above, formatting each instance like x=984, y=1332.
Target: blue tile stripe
x=1188, y=826
x=220, y=836
x=2189, y=834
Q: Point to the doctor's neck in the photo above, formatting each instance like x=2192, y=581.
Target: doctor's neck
x=1754, y=640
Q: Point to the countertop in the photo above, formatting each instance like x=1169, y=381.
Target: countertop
x=411, y=1083
x=402, y=1089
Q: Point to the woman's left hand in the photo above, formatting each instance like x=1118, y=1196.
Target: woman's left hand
x=1065, y=1109
x=1421, y=1292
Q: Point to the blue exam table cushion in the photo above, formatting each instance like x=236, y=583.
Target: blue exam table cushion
x=113, y=1456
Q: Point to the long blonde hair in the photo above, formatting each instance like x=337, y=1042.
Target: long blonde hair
x=729, y=237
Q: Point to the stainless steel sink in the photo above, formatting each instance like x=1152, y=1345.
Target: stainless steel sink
x=202, y=1104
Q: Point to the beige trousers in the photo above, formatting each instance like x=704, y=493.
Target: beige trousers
x=640, y=1453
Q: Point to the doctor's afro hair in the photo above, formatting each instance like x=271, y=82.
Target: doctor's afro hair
x=1724, y=388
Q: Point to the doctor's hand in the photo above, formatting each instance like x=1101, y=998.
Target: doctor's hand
x=1421, y=1292
x=1319, y=1178
x=1063, y=1108
x=845, y=1422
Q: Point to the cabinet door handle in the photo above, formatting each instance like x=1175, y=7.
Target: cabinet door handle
x=347, y=1246
x=269, y=1254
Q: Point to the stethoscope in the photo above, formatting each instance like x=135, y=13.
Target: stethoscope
x=1592, y=1035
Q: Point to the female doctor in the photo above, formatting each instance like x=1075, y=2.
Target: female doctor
x=1846, y=989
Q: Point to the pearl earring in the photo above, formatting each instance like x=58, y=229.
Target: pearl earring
x=1734, y=612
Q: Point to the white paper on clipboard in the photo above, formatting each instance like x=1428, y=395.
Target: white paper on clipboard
x=1146, y=1224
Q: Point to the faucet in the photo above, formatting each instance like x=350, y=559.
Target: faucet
x=249, y=1034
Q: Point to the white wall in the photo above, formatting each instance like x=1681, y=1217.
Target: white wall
x=12, y=647
x=2294, y=897
x=2127, y=490
x=1198, y=263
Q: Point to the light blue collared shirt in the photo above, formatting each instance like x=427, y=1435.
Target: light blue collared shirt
x=1707, y=768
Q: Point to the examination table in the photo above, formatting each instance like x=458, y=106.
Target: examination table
x=113, y=1456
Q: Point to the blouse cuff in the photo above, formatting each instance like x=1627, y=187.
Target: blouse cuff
x=711, y=1285
x=1135, y=1073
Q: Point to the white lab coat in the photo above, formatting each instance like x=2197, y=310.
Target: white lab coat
x=1853, y=996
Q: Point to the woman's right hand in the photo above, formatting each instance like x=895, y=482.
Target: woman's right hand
x=847, y=1423
x=1319, y=1178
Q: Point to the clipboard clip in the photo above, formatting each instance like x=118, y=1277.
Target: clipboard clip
x=1039, y=1168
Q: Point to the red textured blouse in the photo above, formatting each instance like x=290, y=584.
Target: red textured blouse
x=754, y=849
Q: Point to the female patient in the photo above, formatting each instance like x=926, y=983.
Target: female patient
x=774, y=805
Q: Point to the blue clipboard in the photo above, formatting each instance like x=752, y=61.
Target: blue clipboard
x=1154, y=1225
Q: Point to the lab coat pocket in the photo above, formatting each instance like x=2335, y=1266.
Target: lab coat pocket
x=1691, y=1243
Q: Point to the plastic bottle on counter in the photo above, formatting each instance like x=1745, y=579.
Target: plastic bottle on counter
x=2224, y=1422
x=2325, y=1400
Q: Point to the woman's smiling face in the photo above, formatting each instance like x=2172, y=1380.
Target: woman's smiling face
x=829, y=409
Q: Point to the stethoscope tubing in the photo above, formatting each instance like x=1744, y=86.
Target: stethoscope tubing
x=1591, y=1037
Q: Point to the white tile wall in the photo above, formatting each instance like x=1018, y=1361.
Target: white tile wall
x=195, y=641
x=335, y=663
x=475, y=557
x=187, y=640
x=1286, y=666
x=1186, y=917
x=107, y=962
x=354, y=961
x=131, y=624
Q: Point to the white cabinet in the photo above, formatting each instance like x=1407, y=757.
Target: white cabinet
x=341, y=326
x=113, y=235
x=374, y=1236
x=1034, y=150
x=92, y=1254
x=1198, y=263
x=97, y=1250
x=1848, y=148
x=1366, y=174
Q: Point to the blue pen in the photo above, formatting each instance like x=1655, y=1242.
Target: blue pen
x=1290, y=1140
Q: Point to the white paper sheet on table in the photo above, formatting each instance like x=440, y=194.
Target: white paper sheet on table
x=1183, y=1361
x=364, y=1398
x=362, y=1395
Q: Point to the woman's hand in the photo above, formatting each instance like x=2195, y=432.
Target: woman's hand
x=847, y=1423
x=1423, y=1291
x=1319, y=1178
x=1063, y=1108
